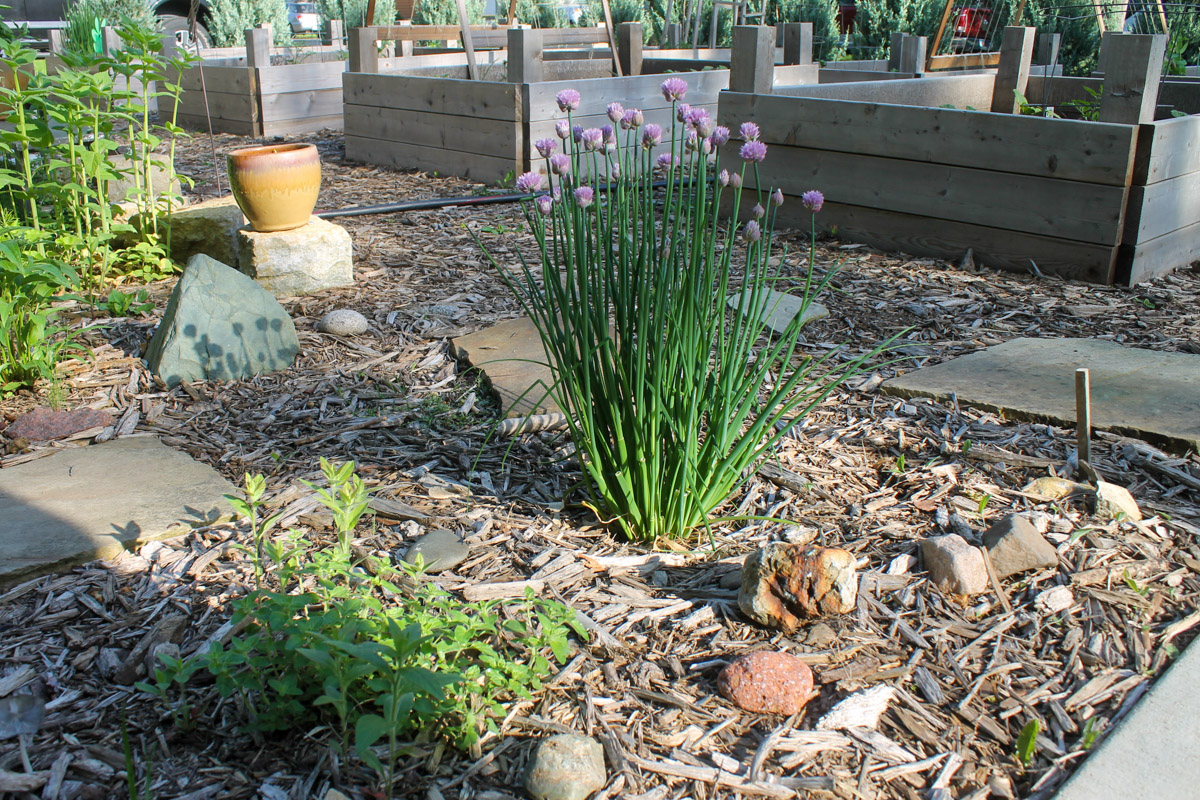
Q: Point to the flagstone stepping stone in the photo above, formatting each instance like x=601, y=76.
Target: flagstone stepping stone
x=85, y=503
x=780, y=308
x=1143, y=393
x=511, y=356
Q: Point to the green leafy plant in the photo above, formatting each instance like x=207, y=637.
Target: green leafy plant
x=1027, y=742
x=124, y=304
x=229, y=19
x=353, y=13
x=1088, y=109
x=1030, y=110
x=375, y=651
x=31, y=341
x=671, y=396
x=1091, y=732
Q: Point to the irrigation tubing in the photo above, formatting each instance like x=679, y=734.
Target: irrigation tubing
x=442, y=202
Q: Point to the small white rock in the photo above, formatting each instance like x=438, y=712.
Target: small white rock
x=343, y=322
x=901, y=564
x=1054, y=600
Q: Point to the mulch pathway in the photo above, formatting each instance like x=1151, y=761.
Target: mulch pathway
x=867, y=472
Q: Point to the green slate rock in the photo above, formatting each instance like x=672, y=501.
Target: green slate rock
x=220, y=325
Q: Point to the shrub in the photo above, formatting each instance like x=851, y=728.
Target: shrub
x=671, y=397
x=30, y=339
x=354, y=12
x=823, y=14
x=86, y=18
x=445, y=12
x=229, y=19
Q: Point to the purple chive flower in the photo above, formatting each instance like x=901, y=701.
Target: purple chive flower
x=682, y=112
x=556, y=194
x=584, y=196
x=813, y=200
x=615, y=112
x=608, y=133
x=568, y=100
x=758, y=211
x=651, y=136
x=632, y=118
x=720, y=135
x=546, y=146
x=751, y=231
x=753, y=151
x=702, y=120
x=529, y=182
x=749, y=131
x=563, y=129
x=614, y=170
x=691, y=139
x=592, y=138
x=665, y=161
x=777, y=198
x=723, y=178
x=674, y=88
x=577, y=134
x=735, y=180
x=560, y=164
x=545, y=204
x=706, y=146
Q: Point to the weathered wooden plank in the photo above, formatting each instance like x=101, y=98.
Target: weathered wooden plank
x=300, y=105
x=482, y=168
x=927, y=236
x=301, y=77
x=1167, y=149
x=1148, y=260
x=200, y=123
x=287, y=127
x=444, y=95
x=931, y=91
x=1133, y=64
x=1162, y=208
x=964, y=61
x=835, y=75
x=1085, y=212
x=217, y=79
x=430, y=129
x=221, y=106
x=1064, y=149
x=634, y=91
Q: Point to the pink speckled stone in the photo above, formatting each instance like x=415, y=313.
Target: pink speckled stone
x=767, y=683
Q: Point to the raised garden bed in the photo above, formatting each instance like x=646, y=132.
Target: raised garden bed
x=1098, y=201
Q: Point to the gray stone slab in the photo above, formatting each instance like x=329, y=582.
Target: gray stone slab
x=1142, y=393
x=511, y=356
x=781, y=308
x=85, y=503
x=1154, y=752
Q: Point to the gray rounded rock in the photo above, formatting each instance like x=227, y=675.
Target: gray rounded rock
x=343, y=322
x=566, y=766
x=441, y=550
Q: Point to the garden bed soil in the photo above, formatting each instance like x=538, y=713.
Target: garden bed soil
x=867, y=472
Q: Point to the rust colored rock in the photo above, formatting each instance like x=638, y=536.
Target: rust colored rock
x=783, y=584
x=767, y=683
x=44, y=425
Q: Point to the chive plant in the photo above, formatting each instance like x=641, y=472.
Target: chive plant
x=672, y=391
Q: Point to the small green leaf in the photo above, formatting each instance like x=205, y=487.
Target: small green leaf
x=1027, y=742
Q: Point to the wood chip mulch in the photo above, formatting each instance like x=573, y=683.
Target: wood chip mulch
x=867, y=472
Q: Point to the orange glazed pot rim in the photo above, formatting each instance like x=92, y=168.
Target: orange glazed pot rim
x=270, y=149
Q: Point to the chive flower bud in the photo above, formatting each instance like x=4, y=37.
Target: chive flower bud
x=560, y=164
x=702, y=121
x=563, y=129
x=735, y=180
x=777, y=198
x=546, y=146
x=651, y=136
x=665, y=161
x=751, y=231
x=723, y=178
x=758, y=211
x=749, y=131
x=584, y=196
x=577, y=134
x=545, y=204
x=615, y=112
x=682, y=112
x=592, y=138
x=719, y=136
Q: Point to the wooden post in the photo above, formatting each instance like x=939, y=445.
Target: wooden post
x=895, y=45
x=1162, y=16
x=937, y=40
x=1048, y=45
x=1132, y=68
x=612, y=37
x=752, y=62
x=1016, y=54
x=364, y=55
x=468, y=45
x=369, y=19
x=111, y=40
x=797, y=43
x=524, y=55
x=335, y=32
x=912, y=54
x=56, y=40
x=672, y=34
x=512, y=12
x=1098, y=7
x=258, y=47
x=1083, y=415
x=629, y=47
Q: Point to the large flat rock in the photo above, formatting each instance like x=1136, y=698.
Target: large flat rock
x=511, y=356
x=85, y=503
x=1150, y=395
x=1154, y=751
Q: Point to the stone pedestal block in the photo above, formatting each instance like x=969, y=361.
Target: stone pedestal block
x=300, y=261
x=209, y=228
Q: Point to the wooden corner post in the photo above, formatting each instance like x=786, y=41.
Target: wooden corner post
x=752, y=62
x=1133, y=66
x=912, y=54
x=797, y=43
x=1016, y=54
x=629, y=47
x=364, y=55
x=524, y=55
x=258, y=47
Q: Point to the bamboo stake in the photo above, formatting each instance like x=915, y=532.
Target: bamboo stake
x=937, y=42
x=1097, y=6
x=1083, y=414
x=468, y=45
x=612, y=38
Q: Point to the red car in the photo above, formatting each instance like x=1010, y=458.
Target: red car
x=970, y=27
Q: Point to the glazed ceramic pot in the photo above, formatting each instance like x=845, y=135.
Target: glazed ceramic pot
x=276, y=185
